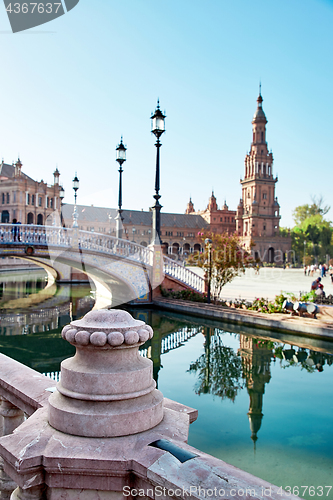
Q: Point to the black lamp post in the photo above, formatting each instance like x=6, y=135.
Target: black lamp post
x=208, y=243
x=157, y=128
x=76, y=183
x=120, y=158
x=61, y=196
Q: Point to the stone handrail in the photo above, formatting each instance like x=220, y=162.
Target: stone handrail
x=183, y=274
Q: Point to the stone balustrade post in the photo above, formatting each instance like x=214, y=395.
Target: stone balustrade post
x=11, y=417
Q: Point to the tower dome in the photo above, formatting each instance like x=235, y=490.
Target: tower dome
x=259, y=115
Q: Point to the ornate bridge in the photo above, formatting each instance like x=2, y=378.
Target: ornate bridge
x=131, y=268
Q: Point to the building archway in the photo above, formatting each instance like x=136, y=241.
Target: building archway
x=5, y=217
x=186, y=249
x=143, y=243
x=175, y=248
x=39, y=219
x=30, y=218
x=197, y=247
x=271, y=255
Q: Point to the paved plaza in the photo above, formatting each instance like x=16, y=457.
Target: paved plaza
x=269, y=282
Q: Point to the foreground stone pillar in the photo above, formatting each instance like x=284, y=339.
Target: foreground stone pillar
x=107, y=389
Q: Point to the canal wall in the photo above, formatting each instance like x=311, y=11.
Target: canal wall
x=281, y=322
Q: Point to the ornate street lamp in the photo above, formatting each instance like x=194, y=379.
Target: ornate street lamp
x=208, y=243
x=120, y=158
x=76, y=183
x=157, y=128
x=61, y=196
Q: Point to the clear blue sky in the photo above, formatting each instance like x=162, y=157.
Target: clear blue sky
x=72, y=87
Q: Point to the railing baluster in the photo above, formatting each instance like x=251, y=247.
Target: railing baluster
x=11, y=417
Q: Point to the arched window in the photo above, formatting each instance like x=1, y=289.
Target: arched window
x=5, y=217
x=39, y=219
x=30, y=218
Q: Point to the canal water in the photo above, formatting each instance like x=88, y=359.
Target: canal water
x=265, y=399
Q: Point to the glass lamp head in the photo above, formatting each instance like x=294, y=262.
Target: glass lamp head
x=121, y=152
x=158, y=121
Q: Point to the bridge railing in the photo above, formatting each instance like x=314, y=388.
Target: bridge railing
x=29, y=234
x=183, y=274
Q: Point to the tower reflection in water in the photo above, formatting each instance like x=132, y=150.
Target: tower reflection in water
x=256, y=361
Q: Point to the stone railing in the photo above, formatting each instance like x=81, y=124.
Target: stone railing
x=28, y=234
x=183, y=274
x=106, y=431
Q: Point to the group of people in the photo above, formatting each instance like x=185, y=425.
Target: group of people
x=322, y=268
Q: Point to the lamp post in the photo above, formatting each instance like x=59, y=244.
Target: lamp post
x=133, y=232
x=76, y=183
x=208, y=243
x=61, y=196
x=304, y=252
x=157, y=128
x=120, y=158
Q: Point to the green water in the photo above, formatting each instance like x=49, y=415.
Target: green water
x=264, y=414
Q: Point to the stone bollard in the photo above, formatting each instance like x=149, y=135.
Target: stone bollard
x=107, y=389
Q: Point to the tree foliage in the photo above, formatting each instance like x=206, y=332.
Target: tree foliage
x=312, y=235
x=222, y=260
x=303, y=212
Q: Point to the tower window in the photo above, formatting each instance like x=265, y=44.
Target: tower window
x=264, y=196
x=264, y=228
x=262, y=137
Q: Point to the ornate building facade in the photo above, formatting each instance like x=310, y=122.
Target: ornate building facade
x=26, y=200
x=220, y=220
x=258, y=212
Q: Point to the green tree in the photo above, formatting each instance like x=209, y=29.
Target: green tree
x=222, y=260
x=312, y=235
x=303, y=212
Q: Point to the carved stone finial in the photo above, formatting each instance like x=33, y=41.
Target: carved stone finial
x=107, y=388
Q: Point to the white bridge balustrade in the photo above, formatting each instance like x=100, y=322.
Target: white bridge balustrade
x=183, y=274
x=22, y=235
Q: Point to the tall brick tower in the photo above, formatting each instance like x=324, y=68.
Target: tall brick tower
x=258, y=213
